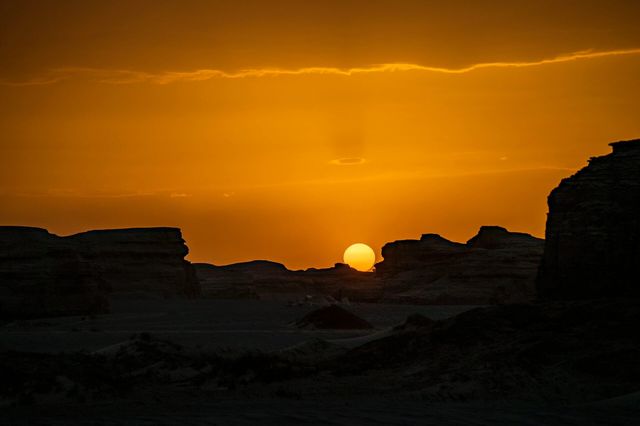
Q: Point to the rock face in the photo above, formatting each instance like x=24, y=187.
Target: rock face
x=239, y=280
x=495, y=266
x=261, y=279
x=593, y=230
x=140, y=260
x=42, y=274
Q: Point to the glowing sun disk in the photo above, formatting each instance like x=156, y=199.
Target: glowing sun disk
x=359, y=256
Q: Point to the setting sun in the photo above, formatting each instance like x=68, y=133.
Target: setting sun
x=360, y=256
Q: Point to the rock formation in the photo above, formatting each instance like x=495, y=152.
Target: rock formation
x=495, y=266
x=140, y=260
x=592, y=245
x=42, y=274
x=239, y=280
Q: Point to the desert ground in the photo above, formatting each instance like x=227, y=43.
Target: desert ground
x=199, y=324
x=254, y=326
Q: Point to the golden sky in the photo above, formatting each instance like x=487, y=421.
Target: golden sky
x=288, y=130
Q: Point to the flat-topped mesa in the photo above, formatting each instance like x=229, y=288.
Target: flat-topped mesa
x=141, y=260
x=495, y=266
x=42, y=274
x=593, y=230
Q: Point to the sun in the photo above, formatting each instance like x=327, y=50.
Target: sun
x=360, y=257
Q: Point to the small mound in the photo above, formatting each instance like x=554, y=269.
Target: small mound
x=333, y=317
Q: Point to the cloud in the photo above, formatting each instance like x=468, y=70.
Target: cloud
x=167, y=77
x=349, y=161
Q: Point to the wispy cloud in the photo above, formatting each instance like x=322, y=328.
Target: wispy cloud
x=166, y=77
x=348, y=161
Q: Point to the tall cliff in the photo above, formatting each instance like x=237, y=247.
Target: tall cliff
x=42, y=274
x=495, y=266
x=592, y=245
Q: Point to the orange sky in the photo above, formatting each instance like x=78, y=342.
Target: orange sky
x=230, y=119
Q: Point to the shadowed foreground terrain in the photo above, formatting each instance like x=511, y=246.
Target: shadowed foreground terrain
x=541, y=361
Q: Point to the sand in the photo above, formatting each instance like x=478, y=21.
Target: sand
x=238, y=325
x=203, y=324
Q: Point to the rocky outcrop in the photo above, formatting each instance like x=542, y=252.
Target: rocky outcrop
x=495, y=266
x=42, y=274
x=261, y=279
x=239, y=280
x=140, y=260
x=592, y=245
